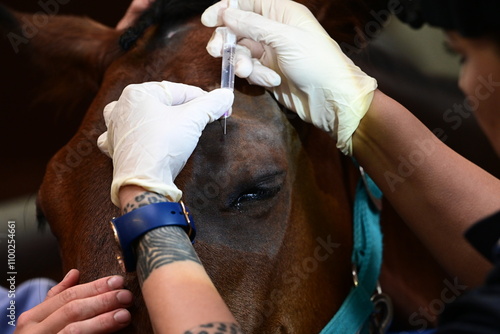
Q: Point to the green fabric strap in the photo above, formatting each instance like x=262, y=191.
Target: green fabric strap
x=366, y=258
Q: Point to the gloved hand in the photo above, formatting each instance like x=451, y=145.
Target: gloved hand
x=295, y=57
x=153, y=129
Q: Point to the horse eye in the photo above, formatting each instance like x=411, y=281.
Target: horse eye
x=258, y=191
x=255, y=194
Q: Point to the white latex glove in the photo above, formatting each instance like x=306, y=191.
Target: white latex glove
x=153, y=129
x=289, y=52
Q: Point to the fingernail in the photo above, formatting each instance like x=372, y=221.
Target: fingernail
x=115, y=282
x=122, y=316
x=68, y=274
x=124, y=297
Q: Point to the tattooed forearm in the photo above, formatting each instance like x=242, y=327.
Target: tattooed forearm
x=163, y=246
x=216, y=328
x=160, y=246
x=141, y=200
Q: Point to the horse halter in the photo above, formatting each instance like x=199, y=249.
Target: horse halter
x=366, y=309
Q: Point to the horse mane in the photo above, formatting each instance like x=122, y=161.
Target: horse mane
x=8, y=21
x=342, y=19
x=164, y=13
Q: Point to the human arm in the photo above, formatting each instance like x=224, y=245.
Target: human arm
x=95, y=307
x=152, y=130
x=179, y=295
x=440, y=198
x=437, y=192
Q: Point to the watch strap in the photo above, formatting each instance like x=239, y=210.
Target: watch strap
x=131, y=226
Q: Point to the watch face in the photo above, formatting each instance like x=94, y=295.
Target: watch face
x=119, y=253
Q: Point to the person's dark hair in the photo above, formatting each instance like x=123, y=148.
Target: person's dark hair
x=472, y=19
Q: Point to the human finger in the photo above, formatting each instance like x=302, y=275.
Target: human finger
x=243, y=64
x=103, y=144
x=78, y=312
x=279, y=10
x=211, y=17
x=181, y=93
x=216, y=43
x=166, y=92
x=71, y=279
x=263, y=76
x=256, y=27
x=107, y=110
x=105, y=323
x=136, y=8
x=210, y=107
x=56, y=301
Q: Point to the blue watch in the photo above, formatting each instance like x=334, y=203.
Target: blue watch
x=131, y=226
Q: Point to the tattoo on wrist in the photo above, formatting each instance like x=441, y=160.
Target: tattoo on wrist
x=163, y=246
x=143, y=199
x=216, y=328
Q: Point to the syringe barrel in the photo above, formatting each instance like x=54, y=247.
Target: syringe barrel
x=228, y=54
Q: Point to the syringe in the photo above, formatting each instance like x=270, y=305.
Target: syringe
x=228, y=53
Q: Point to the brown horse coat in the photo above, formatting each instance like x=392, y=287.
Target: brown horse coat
x=272, y=199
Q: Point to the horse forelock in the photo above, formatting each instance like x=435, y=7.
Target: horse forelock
x=166, y=14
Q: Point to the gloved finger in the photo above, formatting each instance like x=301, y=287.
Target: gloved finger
x=256, y=27
x=243, y=61
x=284, y=11
x=211, y=17
x=108, y=109
x=256, y=49
x=209, y=107
x=243, y=64
x=263, y=76
x=103, y=144
x=216, y=43
x=244, y=24
x=180, y=93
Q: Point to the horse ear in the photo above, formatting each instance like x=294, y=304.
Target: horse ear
x=73, y=51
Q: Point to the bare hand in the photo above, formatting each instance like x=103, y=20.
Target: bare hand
x=137, y=7
x=95, y=307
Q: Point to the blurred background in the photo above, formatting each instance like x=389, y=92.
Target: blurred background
x=411, y=66
x=31, y=131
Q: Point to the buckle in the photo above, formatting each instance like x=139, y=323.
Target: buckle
x=186, y=215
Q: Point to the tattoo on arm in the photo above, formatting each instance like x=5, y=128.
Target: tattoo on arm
x=143, y=199
x=165, y=245
x=216, y=328
x=162, y=246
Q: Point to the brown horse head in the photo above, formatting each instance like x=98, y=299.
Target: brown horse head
x=272, y=198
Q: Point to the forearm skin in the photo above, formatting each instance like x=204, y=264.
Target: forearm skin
x=437, y=192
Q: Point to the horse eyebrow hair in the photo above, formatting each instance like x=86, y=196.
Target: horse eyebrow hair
x=164, y=13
